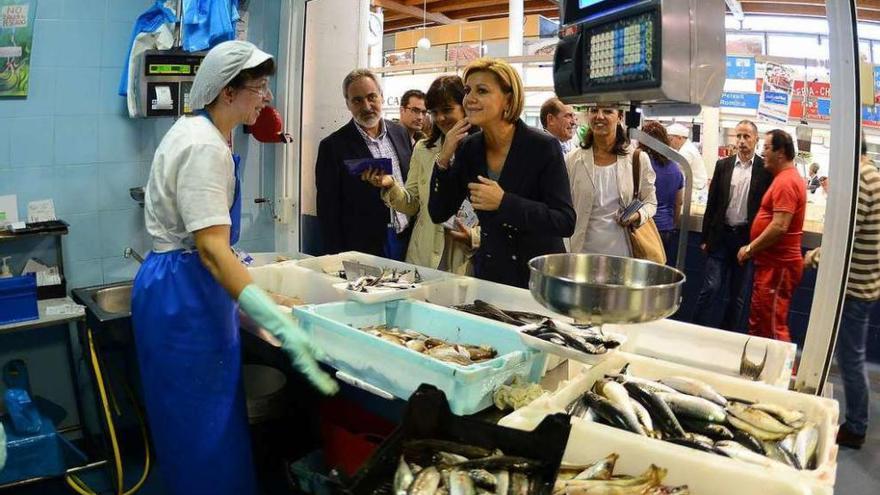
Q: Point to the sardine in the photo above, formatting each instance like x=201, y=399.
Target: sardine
x=609, y=411
x=502, y=462
x=403, y=477
x=777, y=452
x=659, y=410
x=519, y=484
x=421, y=447
x=601, y=470
x=483, y=479
x=805, y=443
x=693, y=407
x=652, y=477
x=648, y=385
x=737, y=451
x=617, y=394
x=753, y=430
x=503, y=485
x=448, y=459
x=695, y=388
x=748, y=440
x=643, y=415
x=711, y=430
x=790, y=417
x=426, y=482
x=460, y=483
x=759, y=419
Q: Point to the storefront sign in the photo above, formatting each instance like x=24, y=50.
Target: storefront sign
x=775, y=104
x=16, y=45
x=746, y=101
x=818, y=101
x=877, y=84
x=740, y=67
x=871, y=116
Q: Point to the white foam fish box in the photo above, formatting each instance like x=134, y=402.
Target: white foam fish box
x=700, y=470
x=289, y=279
x=701, y=347
x=707, y=348
x=331, y=264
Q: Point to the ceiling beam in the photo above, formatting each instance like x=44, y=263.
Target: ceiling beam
x=529, y=8
x=412, y=11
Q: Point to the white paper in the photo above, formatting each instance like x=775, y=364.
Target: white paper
x=163, y=98
x=65, y=309
x=466, y=214
x=49, y=276
x=34, y=266
x=8, y=209
x=41, y=211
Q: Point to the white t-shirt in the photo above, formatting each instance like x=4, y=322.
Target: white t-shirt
x=604, y=234
x=191, y=185
x=698, y=168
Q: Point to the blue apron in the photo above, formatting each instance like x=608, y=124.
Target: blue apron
x=188, y=346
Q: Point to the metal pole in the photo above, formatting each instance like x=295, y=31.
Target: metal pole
x=837, y=238
x=676, y=157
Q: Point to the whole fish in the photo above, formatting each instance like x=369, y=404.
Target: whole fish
x=754, y=430
x=777, y=452
x=694, y=387
x=501, y=462
x=644, y=416
x=503, y=485
x=609, y=411
x=693, y=407
x=483, y=479
x=749, y=441
x=460, y=483
x=805, y=443
x=601, y=470
x=403, y=477
x=737, y=451
x=617, y=394
x=790, y=417
x=660, y=411
x=711, y=430
x=759, y=419
x=519, y=484
x=426, y=482
x=449, y=354
x=648, y=385
x=652, y=477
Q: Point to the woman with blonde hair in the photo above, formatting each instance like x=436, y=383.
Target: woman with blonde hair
x=513, y=175
x=432, y=245
x=602, y=185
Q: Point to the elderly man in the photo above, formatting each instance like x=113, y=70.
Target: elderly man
x=558, y=119
x=351, y=213
x=678, y=139
x=776, y=236
x=737, y=186
x=413, y=113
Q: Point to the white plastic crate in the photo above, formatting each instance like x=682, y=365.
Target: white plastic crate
x=823, y=412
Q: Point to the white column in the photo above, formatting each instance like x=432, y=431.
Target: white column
x=709, y=137
x=515, y=20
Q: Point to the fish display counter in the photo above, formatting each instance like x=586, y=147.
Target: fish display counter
x=715, y=433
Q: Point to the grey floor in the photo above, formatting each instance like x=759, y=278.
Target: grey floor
x=858, y=471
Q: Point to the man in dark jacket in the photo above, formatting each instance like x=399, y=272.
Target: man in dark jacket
x=352, y=215
x=738, y=184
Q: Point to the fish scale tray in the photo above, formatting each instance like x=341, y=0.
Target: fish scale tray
x=334, y=327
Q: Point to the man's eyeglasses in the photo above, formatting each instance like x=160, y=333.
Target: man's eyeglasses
x=418, y=112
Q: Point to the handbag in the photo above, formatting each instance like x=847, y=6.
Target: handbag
x=644, y=239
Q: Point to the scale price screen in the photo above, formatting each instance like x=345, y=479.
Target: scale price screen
x=621, y=52
x=170, y=69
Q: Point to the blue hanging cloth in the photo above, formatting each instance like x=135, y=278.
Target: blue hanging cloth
x=189, y=351
x=208, y=22
x=148, y=22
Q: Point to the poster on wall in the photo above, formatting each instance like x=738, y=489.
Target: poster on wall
x=776, y=92
x=16, y=44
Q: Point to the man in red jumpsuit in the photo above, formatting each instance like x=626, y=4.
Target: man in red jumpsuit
x=776, y=240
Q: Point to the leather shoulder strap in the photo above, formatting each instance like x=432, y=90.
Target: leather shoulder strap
x=636, y=166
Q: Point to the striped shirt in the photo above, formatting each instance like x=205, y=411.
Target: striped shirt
x=864, y=270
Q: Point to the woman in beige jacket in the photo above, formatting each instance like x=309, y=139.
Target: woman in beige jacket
x=601, y=175
x=433, y=245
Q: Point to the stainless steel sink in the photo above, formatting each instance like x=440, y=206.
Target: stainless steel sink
x=114, y=299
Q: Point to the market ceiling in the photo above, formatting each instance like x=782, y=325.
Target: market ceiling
x=401, y=15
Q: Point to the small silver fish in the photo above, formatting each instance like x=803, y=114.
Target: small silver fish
x=426, y=482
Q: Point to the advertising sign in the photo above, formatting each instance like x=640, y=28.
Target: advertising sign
x=740, y=67
x=775, y=103
x=16, y=45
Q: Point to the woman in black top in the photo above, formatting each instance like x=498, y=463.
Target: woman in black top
x=514, y=176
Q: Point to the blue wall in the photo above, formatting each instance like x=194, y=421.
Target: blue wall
x=71, y=140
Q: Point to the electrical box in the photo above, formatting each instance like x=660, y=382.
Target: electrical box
x=647, y=51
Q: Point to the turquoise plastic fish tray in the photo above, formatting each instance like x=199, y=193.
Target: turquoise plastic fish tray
x=334, y=327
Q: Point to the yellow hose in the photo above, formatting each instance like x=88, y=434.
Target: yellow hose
x=72, y=480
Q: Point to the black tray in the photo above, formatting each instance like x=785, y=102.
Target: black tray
x=428, y=416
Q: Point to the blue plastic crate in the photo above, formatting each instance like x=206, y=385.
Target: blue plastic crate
x=18, y=299
x=399, y=370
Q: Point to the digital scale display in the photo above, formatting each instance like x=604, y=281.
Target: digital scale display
x=622, y=51
x=170, y=69
x=588, y=3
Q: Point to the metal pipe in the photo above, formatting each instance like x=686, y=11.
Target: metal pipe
x=837, y=239
x=676, y=157
x=131, y=253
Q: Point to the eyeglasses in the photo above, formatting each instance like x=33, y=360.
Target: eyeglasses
x=418, y=112
x=262, y=90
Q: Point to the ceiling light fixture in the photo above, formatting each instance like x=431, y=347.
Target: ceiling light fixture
x=424, y=43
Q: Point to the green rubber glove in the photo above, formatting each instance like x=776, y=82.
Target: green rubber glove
x=263, y=310
x=2, y=447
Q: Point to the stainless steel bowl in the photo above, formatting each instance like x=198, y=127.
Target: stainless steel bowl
x=594, y=288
